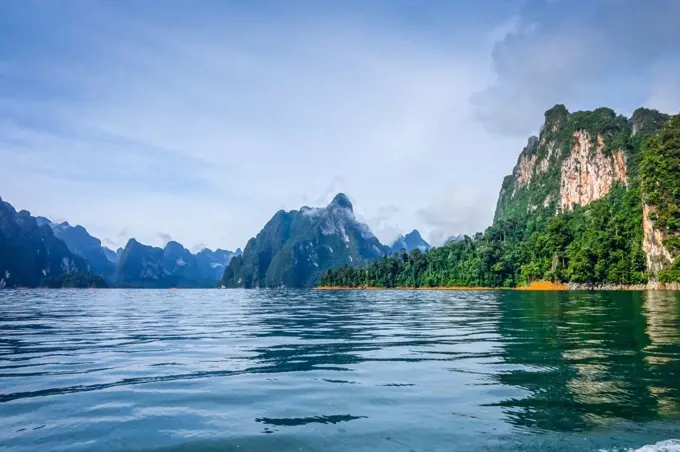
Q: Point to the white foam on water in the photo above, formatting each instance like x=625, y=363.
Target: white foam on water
x=669, y=445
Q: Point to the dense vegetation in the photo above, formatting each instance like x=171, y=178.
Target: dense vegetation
x=294, y=248
x=660, y=180
x=74, y=281
x=600, y=243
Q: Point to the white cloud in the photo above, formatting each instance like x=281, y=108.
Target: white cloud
x=582, y=54
x=205, y=132
x=165, y=237
x=457, y=210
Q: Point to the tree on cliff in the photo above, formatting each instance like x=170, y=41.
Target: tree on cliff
x=660, y=183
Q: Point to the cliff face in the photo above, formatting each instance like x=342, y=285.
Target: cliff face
x=658, y=257
x=576, y=160
x=660, y=190
x=579, y=158
x=587, y=174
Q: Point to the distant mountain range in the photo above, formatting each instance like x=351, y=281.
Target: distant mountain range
x=35, y=251
x=294, y=248
x=173, y=266
x=409, y=242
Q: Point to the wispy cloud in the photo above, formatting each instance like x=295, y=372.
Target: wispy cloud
x=203, y=122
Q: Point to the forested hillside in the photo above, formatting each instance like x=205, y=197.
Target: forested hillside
x=294, y=248
x=572, y=211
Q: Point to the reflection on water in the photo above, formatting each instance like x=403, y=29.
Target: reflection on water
x=351, y=370
x=590, y=359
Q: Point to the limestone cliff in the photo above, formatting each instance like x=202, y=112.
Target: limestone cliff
x=577, y=159
x=658, y=257
x=587, y=174
x=659, y=175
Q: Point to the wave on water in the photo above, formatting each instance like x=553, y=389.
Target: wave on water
x=669, y=445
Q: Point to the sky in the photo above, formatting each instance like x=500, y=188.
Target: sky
x=197, y=121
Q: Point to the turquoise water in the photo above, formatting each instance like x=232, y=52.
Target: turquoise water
x=179, y=370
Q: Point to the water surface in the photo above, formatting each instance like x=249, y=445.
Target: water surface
x=175, y=370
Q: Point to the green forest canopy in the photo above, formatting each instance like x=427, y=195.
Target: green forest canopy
x=600, y=243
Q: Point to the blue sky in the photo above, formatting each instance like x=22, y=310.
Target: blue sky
x=198, y=120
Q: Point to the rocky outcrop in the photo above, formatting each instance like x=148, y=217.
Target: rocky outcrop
x=526, y=164
x=658, y=257
x=652, y=285
x=580, y=158
x=576, y=159
x=587, y=174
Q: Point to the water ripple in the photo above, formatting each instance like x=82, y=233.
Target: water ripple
x=163, y=370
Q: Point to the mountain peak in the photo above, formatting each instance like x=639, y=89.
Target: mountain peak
x=174, y=245
x=294, y=248
x=411, y=241
x=342, y=200
x=414, y=235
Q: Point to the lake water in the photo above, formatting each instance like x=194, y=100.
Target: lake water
x=230, y=370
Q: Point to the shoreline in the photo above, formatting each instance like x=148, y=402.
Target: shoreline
x=410, y=288
x=539, y=285
x=536, y=286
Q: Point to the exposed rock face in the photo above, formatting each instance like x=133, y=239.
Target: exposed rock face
x=658, y=257
x=525, y=170
x=587, y=174
x=651, y=285
x=577, y=159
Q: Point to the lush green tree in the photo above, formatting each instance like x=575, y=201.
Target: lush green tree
x=660, y=184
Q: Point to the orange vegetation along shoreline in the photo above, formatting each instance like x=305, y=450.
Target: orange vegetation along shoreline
x=538, y=285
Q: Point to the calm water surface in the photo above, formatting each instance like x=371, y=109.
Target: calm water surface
x=333, y=371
